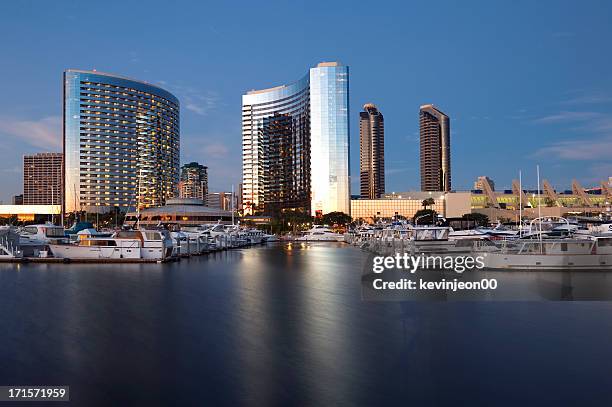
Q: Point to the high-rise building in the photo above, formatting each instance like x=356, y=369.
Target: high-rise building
x=221, y=200
x=295, y=141
x=42, y=179
x=329, y=129
x=371, y=152
x=435, y=149
x=479, y=183
x=194, y=181
x=121, y=143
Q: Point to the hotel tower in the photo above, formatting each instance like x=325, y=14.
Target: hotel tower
x=295, y=140
x=121, y=143
x=435, y=149
x=371, y=152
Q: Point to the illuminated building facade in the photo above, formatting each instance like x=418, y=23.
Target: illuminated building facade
x=194, y=181
x=121, y=143
x=295, y=141
x=42, y=179
x=371, y=152
x=435, y=149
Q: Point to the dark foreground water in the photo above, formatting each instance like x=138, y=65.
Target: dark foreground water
x=285, y=325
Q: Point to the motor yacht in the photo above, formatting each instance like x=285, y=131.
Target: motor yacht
x=587, y=253
x=153, y=245
x=321, y=233
x=34, y=239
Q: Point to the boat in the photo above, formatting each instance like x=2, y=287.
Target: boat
x=268, y=238
x=152, y=245
x=592, y=252
x=34, y=239
x=321, y=233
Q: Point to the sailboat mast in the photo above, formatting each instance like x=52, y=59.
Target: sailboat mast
x=232, y=204
x=539, y=206
x=520, y=203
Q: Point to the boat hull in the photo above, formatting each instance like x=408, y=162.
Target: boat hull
x=89, y=252
x=508, y=261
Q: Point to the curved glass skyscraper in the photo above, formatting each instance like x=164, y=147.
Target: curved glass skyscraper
x=295, y=144
x=276, y=148
x=121, y=143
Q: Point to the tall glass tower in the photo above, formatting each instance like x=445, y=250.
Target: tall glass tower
x=121, y=143
x=372, y=152
x=276, y=149
x=295, y=142
x=329, y=132
x=435, y=155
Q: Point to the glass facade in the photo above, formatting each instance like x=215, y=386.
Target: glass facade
x=329, y=131
x=435, y=154
x=194, y=181
x=121, y=143
x=276, y=148
x=388, y=208
x=295, y=143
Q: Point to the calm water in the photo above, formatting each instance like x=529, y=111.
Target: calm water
x=284, y=325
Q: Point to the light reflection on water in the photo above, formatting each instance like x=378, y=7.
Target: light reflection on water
x=285, y=324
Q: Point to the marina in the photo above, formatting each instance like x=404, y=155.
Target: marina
x=542, y=244
x=48, y=243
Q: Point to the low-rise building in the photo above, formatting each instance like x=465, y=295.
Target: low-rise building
x=177, y=211
x=406, y=204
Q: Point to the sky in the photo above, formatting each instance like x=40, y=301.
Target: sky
x=524, y=82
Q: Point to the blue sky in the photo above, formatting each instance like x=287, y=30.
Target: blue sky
x=524, y=82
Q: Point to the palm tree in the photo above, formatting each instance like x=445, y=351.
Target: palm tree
x=428, y=202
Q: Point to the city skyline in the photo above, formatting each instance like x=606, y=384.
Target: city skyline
x=532, y=100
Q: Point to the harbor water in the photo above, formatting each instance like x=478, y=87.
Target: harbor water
x=285, y=324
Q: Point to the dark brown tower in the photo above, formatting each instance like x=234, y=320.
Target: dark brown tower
x=372, y=152
x=435, y=149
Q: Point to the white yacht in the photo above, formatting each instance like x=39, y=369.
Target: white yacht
x=154, y=245
x=588, y=253
x=321, y=233
x=270, y=238
x=41, y=234
x=34, y=239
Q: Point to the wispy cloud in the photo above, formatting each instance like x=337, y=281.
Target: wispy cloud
x=216, y=149
x=567, y=116
x=594, y=143
x=587, y=97
x=202, y=104
x=193, y=99
x=45, y=133
x=583, y=149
